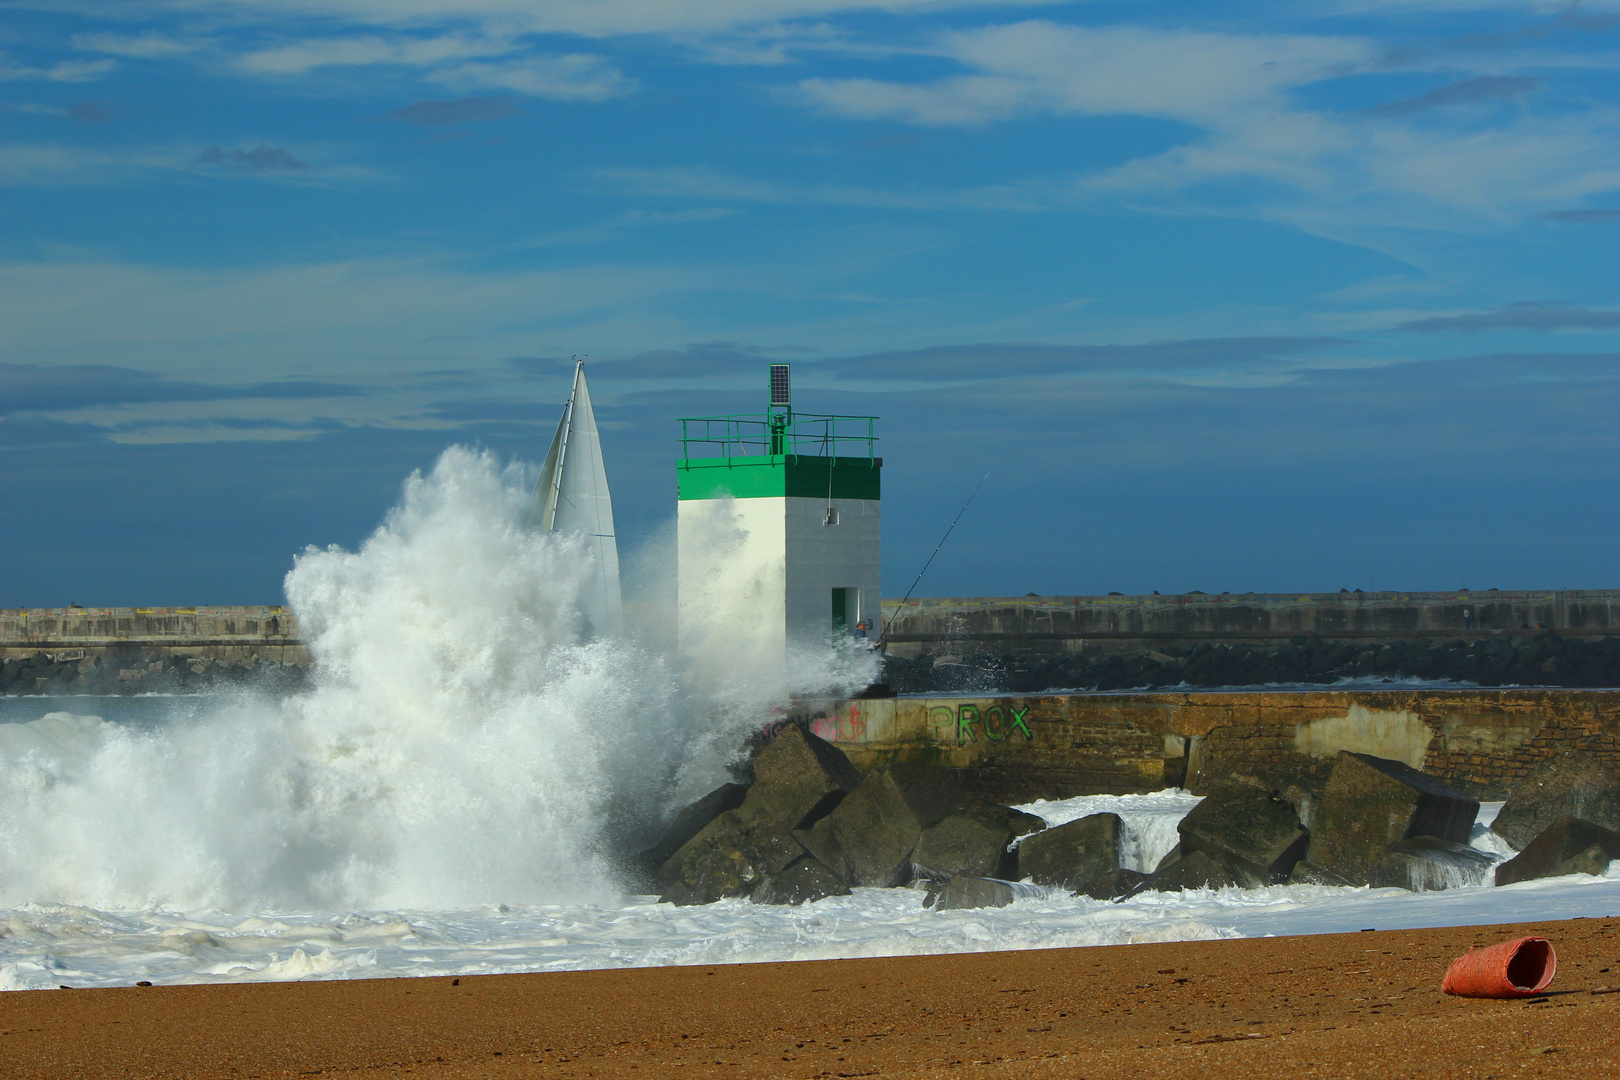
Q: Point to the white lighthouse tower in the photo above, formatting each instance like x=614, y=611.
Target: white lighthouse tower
x=779, y=533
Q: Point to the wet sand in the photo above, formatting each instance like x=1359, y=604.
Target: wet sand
x=1338, y=1005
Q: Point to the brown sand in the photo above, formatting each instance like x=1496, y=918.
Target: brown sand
x=1340, y=1005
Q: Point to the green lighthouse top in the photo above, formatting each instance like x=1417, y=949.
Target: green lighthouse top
x=779, y=452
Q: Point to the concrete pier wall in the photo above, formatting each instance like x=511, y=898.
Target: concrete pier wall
x=1116, y=623
x=132, y=650
x=1014, y=748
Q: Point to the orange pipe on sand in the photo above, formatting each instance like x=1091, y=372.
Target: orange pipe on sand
x=1519, y=968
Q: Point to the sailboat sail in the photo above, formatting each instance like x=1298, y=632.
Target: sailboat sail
x=572, y=496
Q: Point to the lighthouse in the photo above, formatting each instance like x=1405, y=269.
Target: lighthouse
x=779, y=532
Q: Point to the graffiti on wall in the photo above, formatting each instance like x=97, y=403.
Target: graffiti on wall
x=967, y=722
x=835, y=728
x=949, y=725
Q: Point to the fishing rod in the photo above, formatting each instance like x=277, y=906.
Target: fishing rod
x=930, y=562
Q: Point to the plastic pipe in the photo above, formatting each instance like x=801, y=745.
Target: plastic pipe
x=1519, y=968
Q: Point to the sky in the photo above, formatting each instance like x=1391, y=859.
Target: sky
x=1239, y=297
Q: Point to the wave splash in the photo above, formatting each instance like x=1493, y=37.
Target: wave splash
x=462, y=742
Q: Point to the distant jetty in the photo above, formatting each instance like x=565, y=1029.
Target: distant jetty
x=1563, y=637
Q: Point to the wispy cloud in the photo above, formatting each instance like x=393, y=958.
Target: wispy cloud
x=712, y=185
x=148, y=46
x=1255, y=147
x=55, y=165
x=462, y=62
x=1196, y=361
x=36, y=388
x=1466, y=92
x=595, y=18
x=303, y=56
x=83, y=112
x=63, y=71
x=573, y=77
x=457, y=111
x=1584, y=217
x=1524, y=316
x=260, y=159
x=1116, y=70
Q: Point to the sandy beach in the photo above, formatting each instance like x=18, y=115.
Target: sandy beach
x=1343, y=1005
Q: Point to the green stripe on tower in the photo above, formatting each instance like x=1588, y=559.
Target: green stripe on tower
x=778, y=476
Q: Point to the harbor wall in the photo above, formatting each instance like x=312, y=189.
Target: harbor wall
x=1015, y=748
x=952, y=645
x=1128, y=624
x=134, y=650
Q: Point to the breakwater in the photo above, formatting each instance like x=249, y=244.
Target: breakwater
x=77, y=650
x=1015, y=748
x=1568, y=638
x=1133, y=624
x=1565, y=637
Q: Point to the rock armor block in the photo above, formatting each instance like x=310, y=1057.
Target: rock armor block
x=691, y=821
x=1255, y=832
x=797, y=757
x=1195, y=870
x=1306, y=872
x=1370, y=803
x=798, y=779
x=1075, y=855
x=1567, y=846
x=871, y=835
x=1424, y=864
x=969, y=892
x=806, y=881
x=1112, y=886
x=729, y=857
x=972, y=842
x=1570, y=783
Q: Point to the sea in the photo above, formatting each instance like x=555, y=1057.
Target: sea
x=449, y=795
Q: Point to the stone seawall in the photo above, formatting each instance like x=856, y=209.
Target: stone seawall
x=1117, y=623
x=1015, y=748
x=133, y=650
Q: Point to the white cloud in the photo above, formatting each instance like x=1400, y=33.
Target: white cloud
x=53, y=165
x=147, y=46
x=300, y=57
x=352, y=317
x=1321, y=169
x=65, y=71
x=709, y=184
x=1310, y=168
x=1043, y=67
x=574, y=77
x=461, y=62
x=588, y=18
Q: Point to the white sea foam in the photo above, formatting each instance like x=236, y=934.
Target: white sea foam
x=1149, y=821
x=44, y=945
x=49, y=945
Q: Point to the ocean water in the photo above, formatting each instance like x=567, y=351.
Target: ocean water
x=448, y=797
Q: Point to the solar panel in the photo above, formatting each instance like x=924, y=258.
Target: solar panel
x=779, y=385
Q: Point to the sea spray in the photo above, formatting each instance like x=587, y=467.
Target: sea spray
x=461, y=744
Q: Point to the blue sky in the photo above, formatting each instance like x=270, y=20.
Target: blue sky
x=1270, y=297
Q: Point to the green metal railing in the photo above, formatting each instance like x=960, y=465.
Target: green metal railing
x=760, y=434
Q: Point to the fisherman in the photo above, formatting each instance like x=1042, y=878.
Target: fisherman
x=860, y=632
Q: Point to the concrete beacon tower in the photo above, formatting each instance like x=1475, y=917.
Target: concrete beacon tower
x=779, y=532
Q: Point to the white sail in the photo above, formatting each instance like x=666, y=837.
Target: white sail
x=572, y=496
